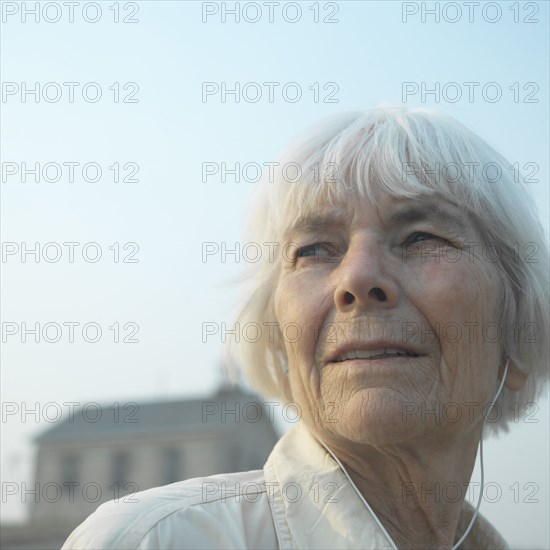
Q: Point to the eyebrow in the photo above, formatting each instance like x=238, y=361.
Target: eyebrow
x=430, y=212
x=315, y=224
x=409, y=213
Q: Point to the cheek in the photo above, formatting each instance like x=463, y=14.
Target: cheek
x=301, y=303
x=292, y=316
x=459, y=302
x=300, y=308
x=454, y=292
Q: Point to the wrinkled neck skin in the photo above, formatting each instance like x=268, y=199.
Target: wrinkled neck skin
x=413, y=487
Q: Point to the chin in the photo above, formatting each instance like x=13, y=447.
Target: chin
x=377, y=416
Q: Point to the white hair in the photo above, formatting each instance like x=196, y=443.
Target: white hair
x=405, y=154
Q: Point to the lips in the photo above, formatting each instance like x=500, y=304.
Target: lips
x=373, y=354
x=375, y=350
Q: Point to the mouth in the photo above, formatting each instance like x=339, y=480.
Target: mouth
x=374, y=354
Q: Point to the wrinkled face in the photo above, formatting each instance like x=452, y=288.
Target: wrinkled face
x=396, y=306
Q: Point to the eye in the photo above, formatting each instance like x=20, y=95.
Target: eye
x=419, y=236
x=424, y=246
x=315, y=251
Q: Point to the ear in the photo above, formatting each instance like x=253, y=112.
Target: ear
x=515, y=378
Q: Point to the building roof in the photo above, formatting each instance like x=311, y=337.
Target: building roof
x=158, y=418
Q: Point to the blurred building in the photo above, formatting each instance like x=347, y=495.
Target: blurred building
x=101, y=453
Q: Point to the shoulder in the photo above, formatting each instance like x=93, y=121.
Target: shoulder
x=226, y=510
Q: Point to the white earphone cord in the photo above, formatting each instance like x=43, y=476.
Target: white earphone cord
x=471, y=524
x=474, y=516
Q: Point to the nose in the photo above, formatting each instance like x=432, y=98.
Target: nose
x=364, y=279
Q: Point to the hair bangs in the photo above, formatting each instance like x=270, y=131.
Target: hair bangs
x=355, y=164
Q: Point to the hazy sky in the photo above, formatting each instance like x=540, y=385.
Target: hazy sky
x=152, y=116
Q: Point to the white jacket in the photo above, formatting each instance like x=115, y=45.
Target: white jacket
x=301, y=499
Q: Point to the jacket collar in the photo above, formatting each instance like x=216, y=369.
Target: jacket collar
x=314, y=505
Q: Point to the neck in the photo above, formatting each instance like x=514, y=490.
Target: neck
x=416, y=489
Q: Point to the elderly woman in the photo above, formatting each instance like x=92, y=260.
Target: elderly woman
x=406, y=300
